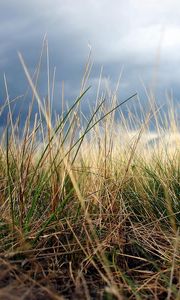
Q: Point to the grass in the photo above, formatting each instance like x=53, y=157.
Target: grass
x=89, y=208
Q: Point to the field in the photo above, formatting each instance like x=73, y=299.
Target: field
x=89, y=207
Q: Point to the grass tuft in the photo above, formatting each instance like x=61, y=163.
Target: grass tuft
x=89, y=206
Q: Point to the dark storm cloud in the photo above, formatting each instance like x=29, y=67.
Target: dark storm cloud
x=141, y=36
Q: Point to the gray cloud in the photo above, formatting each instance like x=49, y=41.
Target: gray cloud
x=142, y=36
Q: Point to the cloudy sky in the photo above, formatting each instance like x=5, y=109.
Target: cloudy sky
x=140, y=38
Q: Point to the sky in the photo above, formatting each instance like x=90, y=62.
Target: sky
x=138, y=40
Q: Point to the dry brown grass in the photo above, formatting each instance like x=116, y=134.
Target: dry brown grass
x=89, y=214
